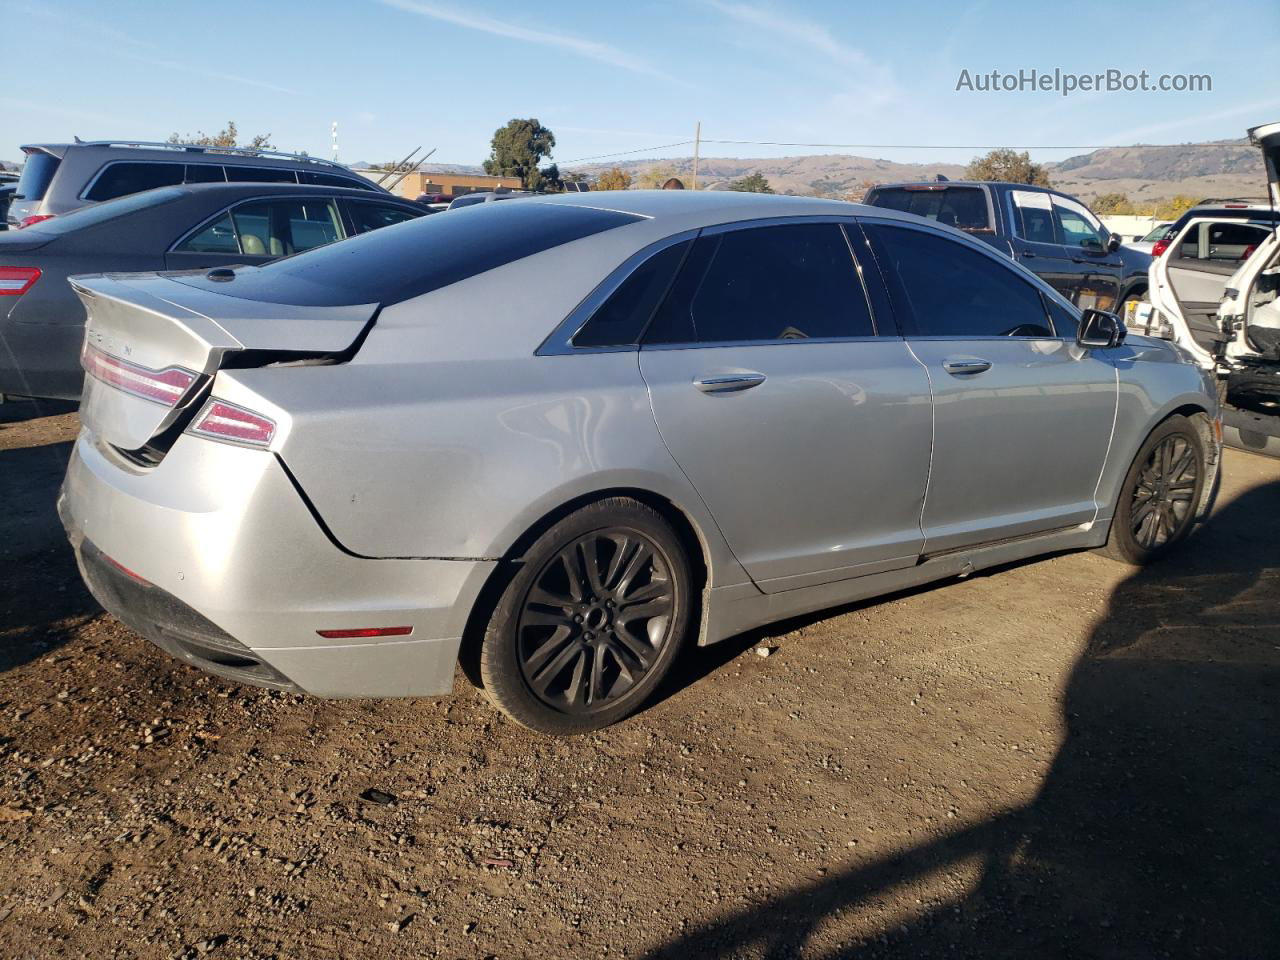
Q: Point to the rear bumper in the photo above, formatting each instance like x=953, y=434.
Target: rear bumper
x=41, y=359
x=232, y=574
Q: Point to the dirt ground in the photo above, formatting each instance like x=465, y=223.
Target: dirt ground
x=1064, y=758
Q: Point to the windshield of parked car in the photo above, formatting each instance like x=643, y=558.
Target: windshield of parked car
x=107, y=210
x=1156, y=233
x=409, y=259
x=963, y=207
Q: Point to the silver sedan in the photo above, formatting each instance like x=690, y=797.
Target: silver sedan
x=562, y=439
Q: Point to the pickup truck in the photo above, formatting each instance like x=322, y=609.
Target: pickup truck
x=1051, y=234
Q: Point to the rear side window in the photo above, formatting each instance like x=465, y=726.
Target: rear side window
x=1033, y=216
x=1223, y=242
x=963, y=207
x=205, y=173
x=237, y=174
x=218, y=237
x=621, y=319
x=37, y=174
x=333, y=180
x=790, y=282
x=124, y=178
x=388, y=266
x=941, y=288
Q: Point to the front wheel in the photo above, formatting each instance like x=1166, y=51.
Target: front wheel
x=1157, y=505
x=592, y=621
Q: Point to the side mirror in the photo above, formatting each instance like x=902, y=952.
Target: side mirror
x=1113, y=243
x=1100, y=330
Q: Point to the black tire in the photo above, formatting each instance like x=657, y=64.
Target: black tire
x=591, y=622
x=1160, y=494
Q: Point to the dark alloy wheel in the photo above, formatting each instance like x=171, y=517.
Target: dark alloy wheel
x=591, y=620
x=595, y=620
x=1162, y=498
x=1161, y=493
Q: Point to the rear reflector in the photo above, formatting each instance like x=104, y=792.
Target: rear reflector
x=166, y=386
x=363, y=633
x=15, y=281
x=34, y=218
x=125, y=570
x=219, y=420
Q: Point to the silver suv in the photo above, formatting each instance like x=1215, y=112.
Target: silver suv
x=61, y=177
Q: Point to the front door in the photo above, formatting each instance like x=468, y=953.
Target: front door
x=1038, y=247
x=1086, y=242
x=1022, y=416
x=806, y=433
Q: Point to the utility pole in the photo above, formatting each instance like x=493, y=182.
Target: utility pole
x=335, y=141
x=697, y=141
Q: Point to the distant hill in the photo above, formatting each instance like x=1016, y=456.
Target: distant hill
x=1228, y=168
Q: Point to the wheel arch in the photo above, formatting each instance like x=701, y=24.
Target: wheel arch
x=687, y=529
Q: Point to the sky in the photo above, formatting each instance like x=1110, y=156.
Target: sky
x=616, y=80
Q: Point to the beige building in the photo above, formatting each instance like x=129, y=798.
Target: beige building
x=450, y=184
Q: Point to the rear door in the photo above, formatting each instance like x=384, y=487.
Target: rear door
x=1022, y=416
x=1198, y=265
x=804, y=428
x=1037, y=243
x=259, y=231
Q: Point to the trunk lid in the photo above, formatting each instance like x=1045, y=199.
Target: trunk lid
x=143, y=327
x=1267, y=137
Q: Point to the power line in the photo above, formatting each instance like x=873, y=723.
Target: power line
x=627, y=153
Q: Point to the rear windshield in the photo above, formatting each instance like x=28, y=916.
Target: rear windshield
x=107, y=210
x=963, y=207
x=412, y=258
x=37, y=173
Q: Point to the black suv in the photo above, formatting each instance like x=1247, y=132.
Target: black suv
x=61, y=177
x=1051, y=234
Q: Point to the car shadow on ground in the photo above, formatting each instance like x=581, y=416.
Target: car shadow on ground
x=1155, y=832
x=19, y=411
x=42, y=598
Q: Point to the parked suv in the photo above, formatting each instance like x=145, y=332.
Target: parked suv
x=60, y=177
x=1249, y=209
x=1051, y=234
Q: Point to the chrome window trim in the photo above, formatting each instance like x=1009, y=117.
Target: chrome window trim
x=1007, y=263
x=220, y=162
x=208, y=221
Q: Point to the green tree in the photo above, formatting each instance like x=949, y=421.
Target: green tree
x=652, y=178
x=1008, y=166
x=751, y=183
x=517, y=150
x=1116, y=203
x=615, y=179
x=227, y=137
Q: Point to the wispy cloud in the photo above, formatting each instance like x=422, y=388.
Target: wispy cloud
x=1254, y=111
x=867, y=83
x=474, y=20
x=199, y=71
x=43, y=110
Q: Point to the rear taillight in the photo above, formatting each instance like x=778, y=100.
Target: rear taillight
x=34, y=218
x=219, y=420
x=166, y=386
x=15, y=281
x=1158, y=250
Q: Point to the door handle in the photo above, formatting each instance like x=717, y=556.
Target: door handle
x=729, y=383
x=966, y=367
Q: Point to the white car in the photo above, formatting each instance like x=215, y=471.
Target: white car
x=1215, y=291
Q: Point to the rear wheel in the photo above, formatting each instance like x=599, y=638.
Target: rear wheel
x=592, y=622
x=1157, y=505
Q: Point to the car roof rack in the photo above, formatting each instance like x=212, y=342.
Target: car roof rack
x=204, y=148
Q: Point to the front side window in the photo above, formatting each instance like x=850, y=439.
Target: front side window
x=122, y=179
x=942, y=288
x=1076, y=225
x=787, y=282
x=374, y=216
